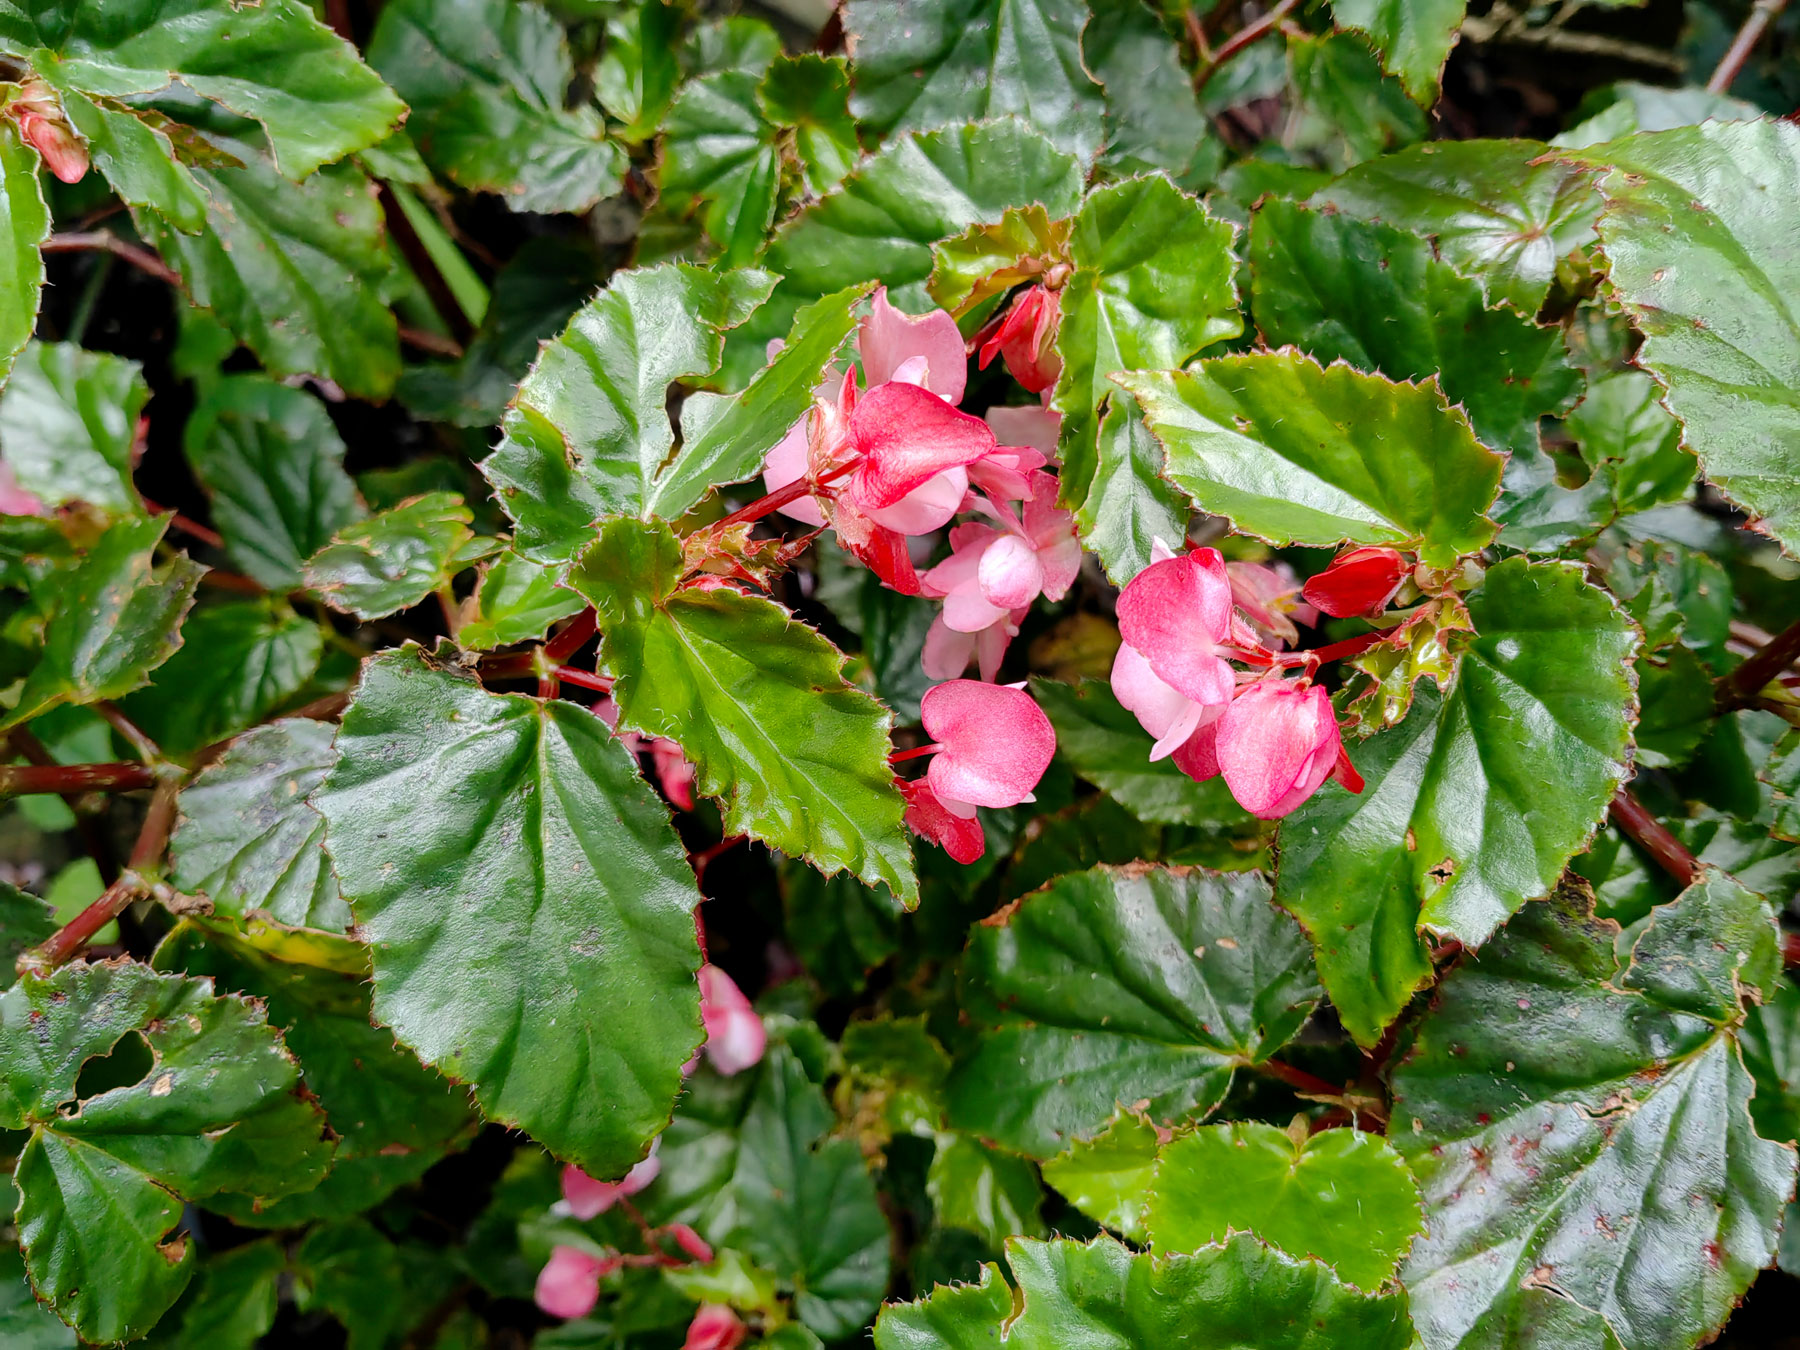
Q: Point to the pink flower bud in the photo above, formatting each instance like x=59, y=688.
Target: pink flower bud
x=1026, y=338
x=995, y=742
x=734, y=1033
x=569, y=1283
x=1276, y=744
x=715, y=1327
x=691, y=1242
x=1359, y=582
x=958, y=834
x=586, y=1197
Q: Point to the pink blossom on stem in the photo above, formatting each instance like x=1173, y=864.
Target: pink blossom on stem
x=44, y=126
x=1268, y=596
x=1175, y=617
x=957, y=834
x=584, y=1197
x=1025, y=338
x=715, y=1327
x=889, y=339
x=569, y=1283
x=735, y=1037
x=691, y=1242
x=15, y=500
x=993, y=743
x=906, y=436
x=1276, y=743
x=1359, y=581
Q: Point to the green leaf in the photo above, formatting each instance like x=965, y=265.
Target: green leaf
x=246, y=838
x=1153, y=284
x=25, y=1324
x=1560, y=1092
x=1476, y=802
x=839, y=928
x=393, y=1117
x=1499, y=211
x=1343, y=289
x=515, y=601
x=640, y=67
x=68, y=419
x=1123, y=985
x=921, y=65
x=100, y=1188
x=377, y=1288
x=757, y=702
x=1298, y=453
x=1344, y=104
x=1108, y=1177
x=1103, y=1294
x=395, y=558
x=239, y=661
x=1708, y=276
x=984, y=1190
x=1675, y=692
x=1104, y=744
x=1626, y=107
x=808, y=96
x=519, y=887
x=25, y=921
x=488, y=82
x=231, y=1303
x=1770, y=1041
x=133, y=148
x=300, y=272
x=806, y=1206
x=273, y=61
x=1413, y=38
x=1341, y=1196
x=27, y=218
x=1153, y=119
x=1631, y=443
x=273, y=464
x=114, y=617
x=718, y=149
x=1782, y=773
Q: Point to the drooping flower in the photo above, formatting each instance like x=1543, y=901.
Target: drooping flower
x=1359, y=582
x=1175, y=619
x=1275, y=745
x=735, y=1037
x=960, y=836
x=569, y=1283
x=584, y=1197
x=994, y=743
x=1025, y=338
x=715, y=1327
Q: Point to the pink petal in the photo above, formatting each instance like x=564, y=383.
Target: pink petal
x=691, y=1242
x=1036, y=427
x=967, y=610
x=1026, y=339
x=569, y=1283
x=786, y=463
x=1156, y=703
x=959, y=836
x=888, y=338
x=928, y=507
x=715, y=1327
x=734, y=1033
x=996, y=742
x=962, y=569
x=1198, y=757
x=1277, y=743
x=586, y=1197
x=15, y=500
x=947, y=652
x=1359, y=581
x=991, y=644
x=907, y=436
x=1010, y=574
x=674, y=773
x=881, y=550
x=1175, y=613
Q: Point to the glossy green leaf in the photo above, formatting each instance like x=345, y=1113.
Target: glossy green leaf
x=395, y=558
x=838, y=927
x=1341, y=1196
x=488, y=83
x=1120, y=986
x=1476, y=802
x=231, y=1303
x=718, y=150
x=808, y=96
x=298, y=271
x=1298, y=453
x=921, y=65
x=1675, y=697
x=1153, y=284
x=1631, y=443
x=246, y=838
x=273, y=61
x=526, y=901
x=392, y=1116
x=1104, y=1295
x=1770, y=1041
x=1108, y=1177
x=640, y=66
x=1782, y=773
x=1561, y=1091
x=1499, y=211
x=1104, y=744
x=1627, y=107
x=68, y=419
x=1346, y=109
x=273, y=464
x=27, y=225
x=757, y=702
x=1153, y=118
x=114, y=617
x=25, y=921
x=985, y=1190
x=516, y=600
x=1700, y=251
x=1343, y=289
x=132, y=147
x=101, y=1187
x=805, y=1203
x=1412, y=37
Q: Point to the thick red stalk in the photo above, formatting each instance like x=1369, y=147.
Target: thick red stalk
x=1731, y=64
x=1744, y=683
x=21, y=780
x=1670, y=853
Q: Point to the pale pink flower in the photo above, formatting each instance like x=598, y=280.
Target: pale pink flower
x=1175, y=619
x=15, y=500
x=584, y=1197
x=569, y=1283
x=715, y=1327
x=1268, y=596
x=1275, y=744
x=735, y=1037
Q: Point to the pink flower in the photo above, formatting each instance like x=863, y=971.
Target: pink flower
x=993, y=743
x=957, y=834
x=734, y=1033
x=1035, y=428
x=1026, y=337
x=888, y=339
x=569, y=1283
x=585, y=1197
x=715, y=1327
x=1359, y=581
x=674, y=773
x=948, y=652
x=1175, y=617
x=1268, y=596
x=43, y=125
x=906, y=436
x=15, y=500
x=1275, y=744
x=691, y=1242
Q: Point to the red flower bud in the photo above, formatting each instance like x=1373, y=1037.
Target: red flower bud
x=1358, y=582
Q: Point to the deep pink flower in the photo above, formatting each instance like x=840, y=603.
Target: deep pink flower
x=691, y=1242
x=735, y=1037
x=906, y=436
x=586, y=1197
x=1359, y=581
x=43, y=125
x=1026, y=338
x=569, y=1283
x=994, y=743
x=957, y=834
x=1276, y=743
x=1177, y=615
x=715, y=1327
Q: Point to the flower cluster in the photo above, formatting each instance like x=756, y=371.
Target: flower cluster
x=1186, y=618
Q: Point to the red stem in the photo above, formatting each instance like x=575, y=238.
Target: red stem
x=21, y=780
x=1244, y=37
x=774, y=501
x=1747, y=681
x=583, y=679
x=572, y=637
x=192, y=528
x=901, y=756
x=1761, y=16
x=1648, y=832
x=104, y=241
x=1299, y=1079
